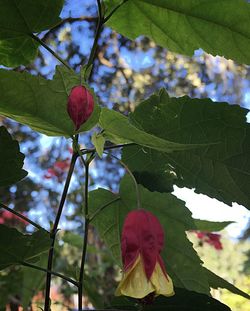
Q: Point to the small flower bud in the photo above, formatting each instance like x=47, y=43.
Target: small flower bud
x=80, y=105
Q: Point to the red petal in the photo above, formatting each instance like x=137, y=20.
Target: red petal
x=142, y=233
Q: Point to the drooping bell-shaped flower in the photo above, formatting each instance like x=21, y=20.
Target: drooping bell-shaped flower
x=144, y=272
x=80, y=105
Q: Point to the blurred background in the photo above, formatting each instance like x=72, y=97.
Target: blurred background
x=124, y=73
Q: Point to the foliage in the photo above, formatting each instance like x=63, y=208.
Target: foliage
x=181, y=261
x=219, y=170
x=42, y=105
x=18, y=22
x=17, y=248
x=11, y=159
x=210, y=26
x=162, y=142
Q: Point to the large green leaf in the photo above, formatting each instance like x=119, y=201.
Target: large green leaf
x=16, y=247
x=183, y=26
x=183, y=300
x=11, y=159
x=40, y=103
x=32, y=281
x=118, y=129
x=9, y=286
x=221, y=170
x=210, y=226
x=216, y=281
x=182, y=262
x=18, y=20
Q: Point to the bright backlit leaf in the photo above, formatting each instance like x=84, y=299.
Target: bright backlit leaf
x=98, y=141
x=183, y=26
x=40, y=103
x=118, y=129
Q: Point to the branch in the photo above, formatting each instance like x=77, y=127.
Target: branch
x=69, y=20
x=21, y=216
x=85, y=241
x=54, y=231
x=138, y=194
x=26, y=264
x=34, y=37
x=114, y=10
x=97, y=35
x=92, y=150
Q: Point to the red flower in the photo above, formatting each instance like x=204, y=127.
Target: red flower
x=7, y=217
x=144, y=271
x=80, y=105
x=58, y=170
x=210, y=238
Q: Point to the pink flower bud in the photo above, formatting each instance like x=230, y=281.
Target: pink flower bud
x=80, y=105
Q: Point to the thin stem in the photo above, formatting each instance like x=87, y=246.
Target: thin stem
x=91, y=218
x=85, y=241
x=92, y=150
x=97, y=35
x=69, y=20
x=21, y=216
x=50, y=50
x=54, y=231
x=138, y=194
x=113, y=11
x=51, y=272
x=99, y=9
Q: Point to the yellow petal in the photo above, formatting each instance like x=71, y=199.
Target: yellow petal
x=135, y=284
x=162, y=285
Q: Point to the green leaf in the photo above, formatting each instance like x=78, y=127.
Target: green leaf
x=210, y=226
x=11, y=159
x=73, y=239
x=221, y=170
x=89, y=289
x=119, y=130
x=18, y=20
x=182, y=262
x=9, y=286
x=16, y=247
x=109, y=221
x=40, y=103
x=216, y=281
x=183, y=300
x=32, y=281
x=98, y=141
x=186, y=25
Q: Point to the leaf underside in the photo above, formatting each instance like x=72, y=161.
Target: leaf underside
x=11, y=160
x=18, y=20
x=184, y=26
x=220, y=170
x=40, y=103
